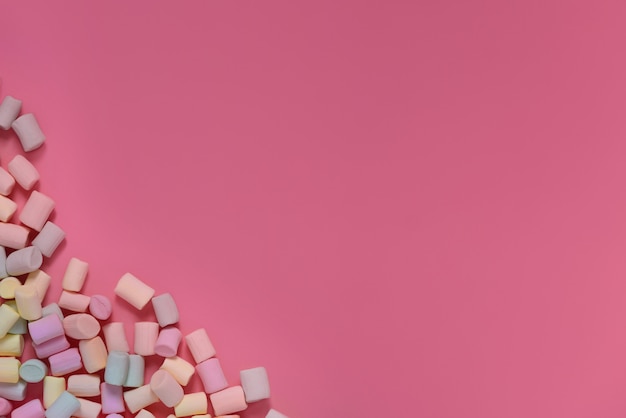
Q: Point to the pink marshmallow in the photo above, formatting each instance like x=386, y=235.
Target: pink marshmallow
x=7, y=182
x=228, y=400
x=112, y=398
x=81, y=326
x=45, y=329
x=51, y=347
x=212, y=376
x=31, y=409
x=165, y=309
x=100, y=307
x=13, y=236
x=166, y=388
x=146, y=334
x=200, y=345
x=23, y=171
x=168, y=341
x=36, y=210
x=76, y=302
x=65, y=362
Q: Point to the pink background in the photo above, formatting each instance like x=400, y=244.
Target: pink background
x=399, y=208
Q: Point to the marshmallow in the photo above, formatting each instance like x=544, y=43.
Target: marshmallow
x=146, y=334
x=115, y=337
x=180, y=368
x=20, y=327
x=65, y=362
x=41, y=280
x=192, y=404
x=9, y=370
x=28, y=302
x=255, y=384
x=33, y=371
x=228, y=400
x=94, y=354
x=81, y=326
x=75, y=275
x=200, y=345
x=3, y=261
x=45, y=329
x=49, y=238
x=133, y=291
x=139, y=398
x=212, y=376
x=84, y=385
x=24, y=261
x=166, y=388
x=13, y=391
x=76, y=302
x=5, y=407
x=136, y=368
x=64, y=406
x=7, y=208
x=168, y=341
x=8, y=318
x=144, y=414
x=28, y=132
x=116, y=369
x=51, y=347
x=112, y=399
x=100, y=307
x=23, y=171
x=9, y=109
x=8, y=286
x=87, y=409
x=13, y=236
x=36, y=210
x=53, y=387
x=12, y=345
x=31, y=409
x=165, y=309
x=7, y=182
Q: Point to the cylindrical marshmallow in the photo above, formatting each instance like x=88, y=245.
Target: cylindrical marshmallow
x=23, y=171
x=192, y=404
x=134, y=291
x=136, y=368
x=116, y=369
x=167, y=343
x=146, y=334
x=9, y=109
x=255, y=384
x=9, y=370
x=115, y=337
x=165, y=309
x=144, y=414
x=88, y=409
x=65, y=362
x=28, y=132
x=49, y=238
x=63, y=407
x=5, y=407
x=112, y=399
x=52, y=309
x=13, y=391
x=12, y=345
x=8, y=286
x=33, y=371
x=75, y=275
x=3, y=262
x=13, y=236
x=53, y=387
x=45, y=328
x=51, y=347
x=212, y=375
x=7, y=208
x=166, y=388
x=76, y=302
x=36, y=210
x=100, y=307
x=139, y=398
x=24, y=261
x=180, y=368
x=81, y=326
x=41, y=280
x=94, y=354
x=8, y=318
x=28, y=302
x=31, y=409
x=200, y=345
x=83, y=385
x=228, y=400
x=7, y=182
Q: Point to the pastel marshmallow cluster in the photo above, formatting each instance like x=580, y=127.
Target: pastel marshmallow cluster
x=84, y=362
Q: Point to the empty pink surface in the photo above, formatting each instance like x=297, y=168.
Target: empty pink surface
x=399, y=208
